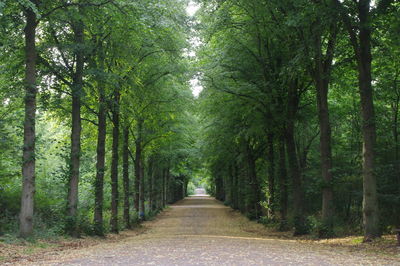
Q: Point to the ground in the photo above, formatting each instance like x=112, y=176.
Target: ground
x=201, y=231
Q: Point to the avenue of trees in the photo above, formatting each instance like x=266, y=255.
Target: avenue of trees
x=95, y=99
x=301, y=112
x=297, y=126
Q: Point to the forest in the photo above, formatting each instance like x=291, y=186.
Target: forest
x=102, y=122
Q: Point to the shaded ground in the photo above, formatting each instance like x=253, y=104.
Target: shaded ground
x=201, y=231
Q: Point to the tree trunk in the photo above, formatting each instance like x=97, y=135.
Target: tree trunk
x=164, y=187
x=232, y=191
x=235, y=194
x=125, y=158
x=114, y=164
x=271, y=176
x=138, y=167
x=294, y=168
x=142, y=196
x=137, y=175
x=28, y=164
x=167, y=187
x=395, y=132
x=295, y=172
x=370, y=200
x=326, y=163
x=151, y=184
x=100, y=164
x=361, y=41
x=229, y=186
x=219, y=188
x=77, y=87
x=101, y=152
x=283, y=186
x=255, y=202
x=322, y=73
x=395, y=109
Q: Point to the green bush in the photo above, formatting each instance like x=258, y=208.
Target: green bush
x=190, y=188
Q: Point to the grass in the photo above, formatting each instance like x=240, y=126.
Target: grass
x=357, y=240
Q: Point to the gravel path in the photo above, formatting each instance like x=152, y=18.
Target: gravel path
x=201, y=231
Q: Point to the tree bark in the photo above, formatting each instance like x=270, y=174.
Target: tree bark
x=167, y=185
x=395, y=118
x=294, y=168
x=114, y=164
x=370, y=200
x=219, y=188
x=164, y=187
x=361, y=42
x=235, y=194
x=138, y=171
x=322, y=71
x=125, y=158
x=151, y=184
x=142, y=191
x=283, y=186
x=77, y=87
x=100, y=151
x=295, y=172
x=271, y=176
x=254, y=183
x=28, y=164
x=100, y=164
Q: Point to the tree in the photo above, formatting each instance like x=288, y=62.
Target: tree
x=28, y=167
x=361, y=43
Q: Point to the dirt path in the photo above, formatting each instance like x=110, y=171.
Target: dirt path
x=201, y=231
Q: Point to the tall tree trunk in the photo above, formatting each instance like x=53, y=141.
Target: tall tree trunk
x=167, y=186
x=232, y=193
x=283, y=186
x=138, y=166
x=219, y=188
x=395, y=132
x=142, y=197
x=395, y=118
x=322, y=73
x=255, y=202
x=101, y=152
x=271, y=176
x=241, y=187
x=125, y=158
x=370, y=200
x=137, y=175
x=114, y=164
x=100, y=164
x=326, y=163
x=28, y=164
x=295, y=172
x=294, y=168
x=77, y=87
x=151, y=184
x=361, y=41
x=235, y=193
x=164, y=187
x=228, y=186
